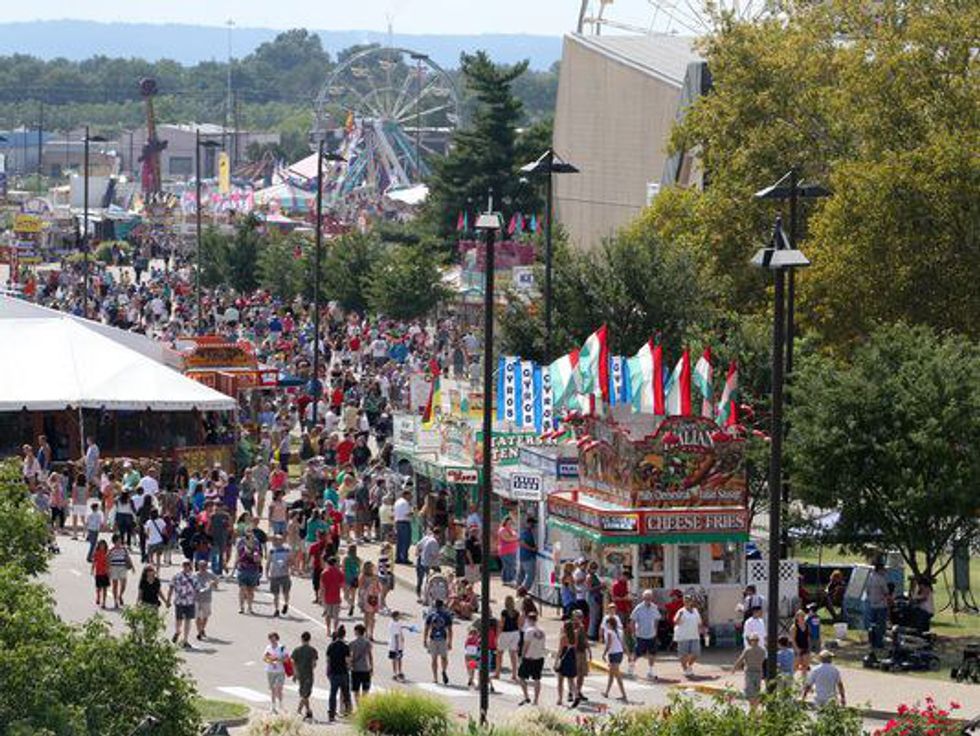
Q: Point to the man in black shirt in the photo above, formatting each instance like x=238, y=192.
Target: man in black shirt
x=338, y=672
x=304, y=661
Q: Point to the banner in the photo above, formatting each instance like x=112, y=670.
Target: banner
x=619, y=381
x=511, y=387
x=224, y=172
x=544, y=411
x=526, y=416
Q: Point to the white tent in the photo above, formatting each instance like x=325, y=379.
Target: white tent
x=55, y=361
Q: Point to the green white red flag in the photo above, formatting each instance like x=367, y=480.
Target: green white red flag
x=727, y=407
x=593, y=365
x=679, y=387
x=703, y=374
x=563, y=379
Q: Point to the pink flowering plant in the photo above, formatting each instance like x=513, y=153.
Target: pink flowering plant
x=930, y=720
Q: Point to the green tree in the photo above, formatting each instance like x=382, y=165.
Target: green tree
x=279, y=269
x=878, y=102
x=345, y=267
x=890, y=439
x=23, y=531
x=242, y=254
x=214, y=255
x=405, y=282
x=483, y=156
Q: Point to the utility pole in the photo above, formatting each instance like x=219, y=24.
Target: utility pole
x=40, y=141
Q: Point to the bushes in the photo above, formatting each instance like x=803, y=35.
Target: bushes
x=402, y=713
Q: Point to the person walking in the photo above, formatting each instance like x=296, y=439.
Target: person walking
x=338, y=672
x=205, y=583
x=878, y=598
x=304, y=658
x=752, y=660
x=687, y=635
x=149, y=588
x=583, y=654
x=426, y=558
x=120, y=564
x=249, y=567
x=183, y=594
x=566, y=668
x=277, y=571
x=100, y=571
x=527, y=556
x=403, y=527
x=826, y=682
x=93, y=525
x=275, y=669
x=509, y=640
x=532, y=658
x=613, y=653
x=437, y=638
x=125, y=517
x=508, y=545
x=361, y=663
x=396, y=645
x=352, y=575
x=369, y=598
x=644, y=619
x=331, y=586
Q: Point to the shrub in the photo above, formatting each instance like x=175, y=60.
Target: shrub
x=276, y=725
x=401, y=713
x=929, y=721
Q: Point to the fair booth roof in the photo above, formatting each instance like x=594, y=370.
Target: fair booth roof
x=56, y=361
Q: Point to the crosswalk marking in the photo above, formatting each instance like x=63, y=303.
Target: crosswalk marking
x=244, y=693
x=507, y=688
x=319, y=693
x=446, y=692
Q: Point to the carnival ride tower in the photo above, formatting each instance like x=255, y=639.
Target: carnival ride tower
x=150, y=157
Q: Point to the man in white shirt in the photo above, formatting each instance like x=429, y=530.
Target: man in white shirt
x=644, y=620
x=687, y=635
x=330, y=421
x=402, y=513
x=755, y=624
x=149, y=484
x=825, y=680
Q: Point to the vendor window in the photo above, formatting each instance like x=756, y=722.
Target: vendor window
x=688, y=564
x=726, y=563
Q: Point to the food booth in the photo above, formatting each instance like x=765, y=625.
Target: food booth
x=664, y=497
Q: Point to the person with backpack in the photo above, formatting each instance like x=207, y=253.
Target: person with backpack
x=437, y=637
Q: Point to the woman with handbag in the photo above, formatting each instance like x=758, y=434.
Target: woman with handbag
x=565, y=664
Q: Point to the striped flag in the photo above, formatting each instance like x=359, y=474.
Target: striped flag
x=593, y=365
x=679, y=387
x=703, y=374
x=727, y=406
x=562, y=377
x=646, y=379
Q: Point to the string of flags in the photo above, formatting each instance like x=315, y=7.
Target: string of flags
x=518, y=225
x=584, y=379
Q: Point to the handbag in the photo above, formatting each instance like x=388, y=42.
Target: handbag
x=287, y=666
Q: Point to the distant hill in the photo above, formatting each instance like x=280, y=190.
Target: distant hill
x=187, y=44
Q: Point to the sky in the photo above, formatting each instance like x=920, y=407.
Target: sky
x=547, y=17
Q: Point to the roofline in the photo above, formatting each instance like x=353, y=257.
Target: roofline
x=586, y=41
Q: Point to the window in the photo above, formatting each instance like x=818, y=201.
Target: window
x=688, y=564
x=726, y=563
x=180, y=165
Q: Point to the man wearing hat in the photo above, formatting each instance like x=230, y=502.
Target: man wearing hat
x=825, y=681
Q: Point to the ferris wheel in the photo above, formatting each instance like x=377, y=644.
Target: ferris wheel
x=391, y=110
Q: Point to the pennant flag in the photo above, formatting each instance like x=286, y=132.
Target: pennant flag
x=349, y=124
x=525, y=417
x=703, y=374
x=460, y=223
x=562, y=378
x=658, y=381
x=533, y=227
x=593, y=365
x=512, y=225
x=466, y=222
x=727, y=406
x=435, y=397
x=679, y=387
x=619, y=383
x=519, y=224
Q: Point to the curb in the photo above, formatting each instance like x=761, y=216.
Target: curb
x=232, y=722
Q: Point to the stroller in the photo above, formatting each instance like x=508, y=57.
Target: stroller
x=436, y=588
x=910, y=650
x=969, y=669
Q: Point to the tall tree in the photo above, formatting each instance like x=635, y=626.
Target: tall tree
x=890, y=439
x=405, y=281
x=483, y=154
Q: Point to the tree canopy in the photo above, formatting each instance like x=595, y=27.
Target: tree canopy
x=878, y=102
x=889, y=437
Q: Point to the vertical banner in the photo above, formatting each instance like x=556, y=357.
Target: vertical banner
x=527, y=394
x=224, y=172
x=544, y=413
x=616, y=379
x=510, y=389
x=501, y=370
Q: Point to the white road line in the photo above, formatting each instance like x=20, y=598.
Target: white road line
x=446, y=692
x=507, y=688
x=244, y=693
x=75, y=572
x=319, y=693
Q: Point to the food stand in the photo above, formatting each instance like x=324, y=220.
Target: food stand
x=665, y=497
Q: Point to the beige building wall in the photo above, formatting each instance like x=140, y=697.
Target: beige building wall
x=612, y=120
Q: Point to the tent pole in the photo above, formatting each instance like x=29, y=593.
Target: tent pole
x=81, y=433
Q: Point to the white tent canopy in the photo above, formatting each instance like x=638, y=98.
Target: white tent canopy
x=55, y=361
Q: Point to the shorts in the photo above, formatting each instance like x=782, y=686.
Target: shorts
x=278, y=527
x=394, y=655
x=331, y=610
x=203, y=609
x=249, y=578
x=280, y=585
x=156, y=549
x=689, y=648
x=360, y=682
x=616, y=658
x=753, y=685
x=79, y=510
x=184, y=613
x=276, y=679
x=438, y=647
x=305, y=686
x=509, y=641
x=101, y=581
x=530, y=669
x=581, y=664
x=118, y=573
x=646, y=647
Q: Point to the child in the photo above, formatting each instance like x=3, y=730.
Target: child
x=384, y=574
x=396, y=645
x=813, y=622
x=352, y=571
x=752, y=659
x=100, y=569
x=471, y=653
x=785, y=658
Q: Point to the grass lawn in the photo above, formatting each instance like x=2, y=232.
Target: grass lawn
x=954, y=632
x=220, y=710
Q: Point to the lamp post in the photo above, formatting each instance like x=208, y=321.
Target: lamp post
x=548, y=163
x=315, y=381
x=790, y=187
x=779, y=257
x=198, y=145
x=418, y=59
x=489, y=222
x=84, y=235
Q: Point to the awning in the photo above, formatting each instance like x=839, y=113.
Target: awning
x=619, y=539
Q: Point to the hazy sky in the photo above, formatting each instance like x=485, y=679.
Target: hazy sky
x=551, y=17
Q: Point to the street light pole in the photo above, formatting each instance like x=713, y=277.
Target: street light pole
x=197, y=229
x=490, y=222
x=85, y=225
x=548, y=164
x=318, y=239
